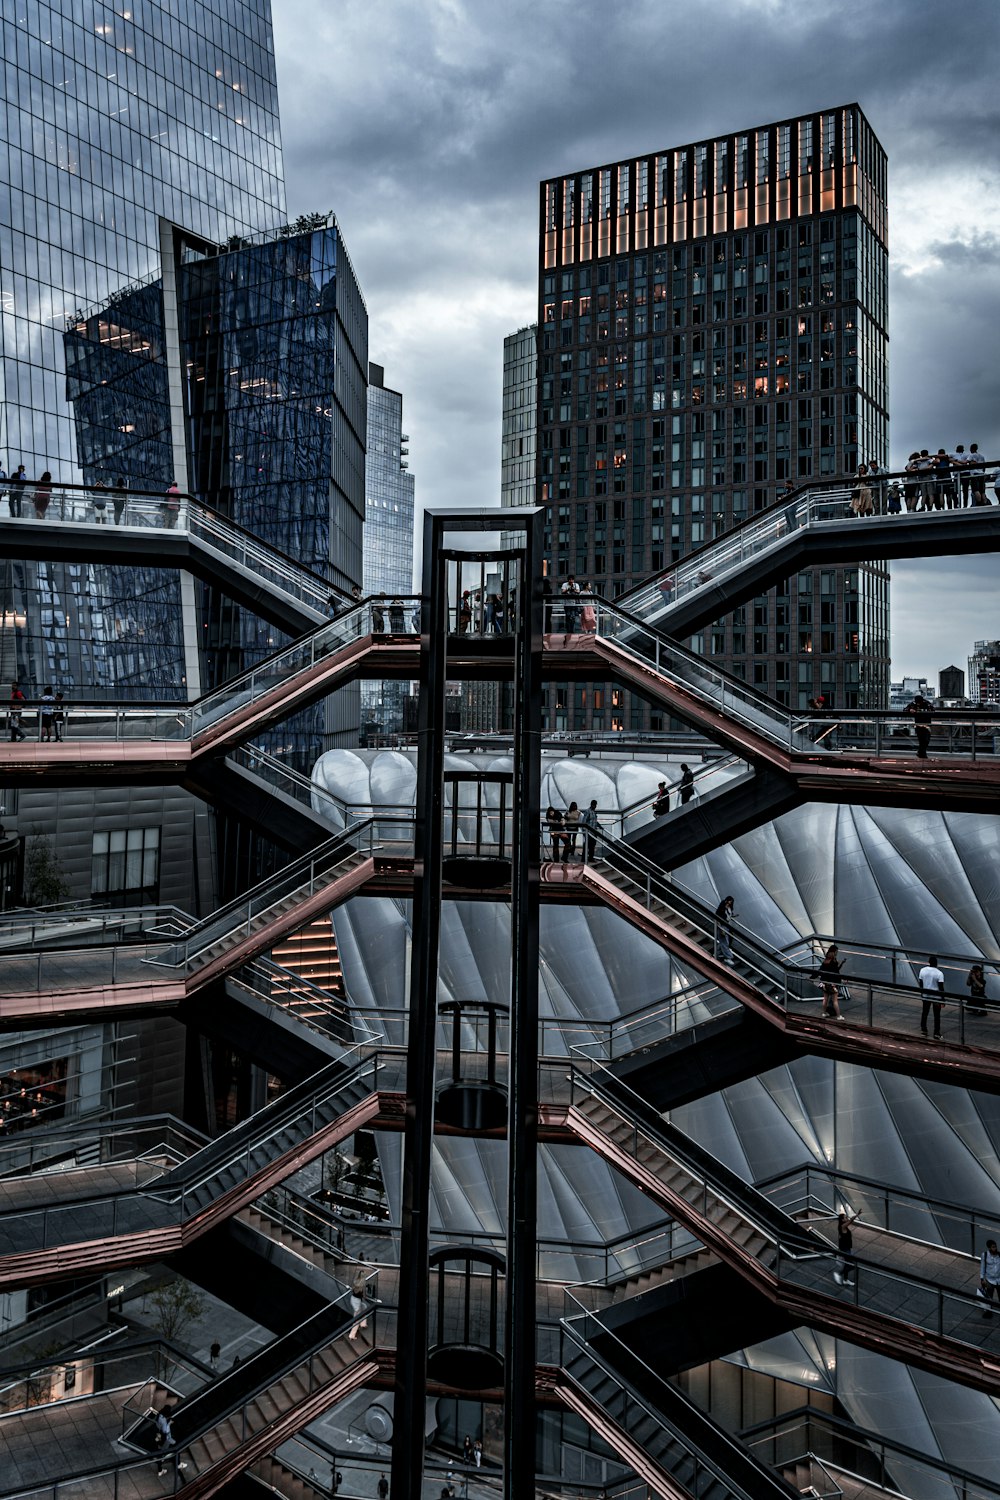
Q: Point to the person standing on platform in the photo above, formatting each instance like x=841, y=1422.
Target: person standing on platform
x=931, y=982
x=14, y=713
x=571, y=608
x=829, y=973
x=43, y=494
x=591, y=826
x=976, y=981
x=845, y=1244
x=571, y=822
x=47, y=713
x=18, y=480
x=119, y=498
x=989, y=1276
x=920, y=712
x=171, y=505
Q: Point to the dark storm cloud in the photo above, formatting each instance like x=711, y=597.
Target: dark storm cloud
x=428, y=127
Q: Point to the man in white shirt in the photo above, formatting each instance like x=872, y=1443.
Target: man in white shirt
x=931, y=982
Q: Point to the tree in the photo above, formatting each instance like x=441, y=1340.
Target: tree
x=176, y=1305
x=44, y=881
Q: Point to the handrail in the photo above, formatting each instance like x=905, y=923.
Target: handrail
x=239, y=1152
x=869, y=1196
x=575, y=1328
x=298, y=879
x=972, y=1485
x=802, y=500
x=111, y=504
x=802, y=733
x=794, y=1251
x=778, y=980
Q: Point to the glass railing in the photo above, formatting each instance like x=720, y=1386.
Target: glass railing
x=815, y=1189
x=277, y=674
x=789, y=1250
x=89, y=505
x=24, y=929
x=893, y=964
x=687, y=672
x=867, y=1461
x=709, y=777
x=155, y=1144
x=811, y=509
x=219, y=1167
x=786, y=984
x=642, y=1401
x=960, y=734
x=280, y=893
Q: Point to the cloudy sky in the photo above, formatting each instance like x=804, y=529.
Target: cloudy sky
x=428, y=124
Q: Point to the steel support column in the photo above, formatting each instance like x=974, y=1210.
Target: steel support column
x=522, y=1118
x=411, y=1336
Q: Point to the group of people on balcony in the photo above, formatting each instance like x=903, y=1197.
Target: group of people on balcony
x=934, y=481
x=564, y=827
x=75, y=504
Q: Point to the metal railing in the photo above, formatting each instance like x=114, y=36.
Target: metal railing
x=143, y=510
x=294, y=884
x=814, y=1188
x=787, y=984
x=732, y=1473
x=792, y=1253
x=971, y=735
x=214, y=1169
x=810, y=509
x=867, y=1458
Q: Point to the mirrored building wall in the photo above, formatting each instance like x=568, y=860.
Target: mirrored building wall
x=264, y=328
x=388, y=551
x=113, y=118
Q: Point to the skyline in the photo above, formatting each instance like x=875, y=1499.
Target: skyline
x=432, y=142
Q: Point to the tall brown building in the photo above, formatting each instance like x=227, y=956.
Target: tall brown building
x=712, y=322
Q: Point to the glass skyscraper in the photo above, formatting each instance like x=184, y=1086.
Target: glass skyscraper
x=115, y=117
x=520, y=417
x=271, y=361
x=713, y=324
x=388, y=560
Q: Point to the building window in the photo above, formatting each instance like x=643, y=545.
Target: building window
x=125, y=868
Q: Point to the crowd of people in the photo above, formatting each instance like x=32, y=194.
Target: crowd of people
x=931, y=481
x=51, y=714
x=24, y=496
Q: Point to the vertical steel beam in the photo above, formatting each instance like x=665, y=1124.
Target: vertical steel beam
x=522, y=1119
x=411, y=1336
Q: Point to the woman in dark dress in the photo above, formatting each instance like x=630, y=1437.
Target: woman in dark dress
x=829, y=973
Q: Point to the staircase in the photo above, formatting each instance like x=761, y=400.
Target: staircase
x=670, y=1454
x=312, y=953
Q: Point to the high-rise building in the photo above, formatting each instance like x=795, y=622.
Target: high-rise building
x=269, y=357
x=388, y=550
x=520, y=417
x=984, y=673
x=118, y=118
x=712, y=325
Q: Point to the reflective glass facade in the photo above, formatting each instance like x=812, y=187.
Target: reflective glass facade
x=113, y=118
x=713, y=324
x=388, y=551
x=520, y=417
x=272, y=343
